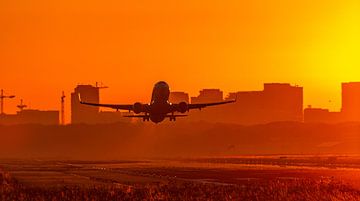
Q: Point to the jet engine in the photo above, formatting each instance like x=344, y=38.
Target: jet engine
x=182, y=107
x=138, y=108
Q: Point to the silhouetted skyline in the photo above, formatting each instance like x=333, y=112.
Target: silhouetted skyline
x=159, y=108
x=277, y=102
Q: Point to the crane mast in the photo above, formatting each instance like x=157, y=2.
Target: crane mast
x=63, y=108
x=22, y=105
x=2, y=97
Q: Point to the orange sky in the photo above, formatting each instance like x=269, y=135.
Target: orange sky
x=47, y=47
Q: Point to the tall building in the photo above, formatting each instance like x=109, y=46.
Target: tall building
x=177, y=97
x=351, y=101
x=208, y=95
x=83, y=113
x=283, y=101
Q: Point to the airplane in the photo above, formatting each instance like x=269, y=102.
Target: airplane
x=159, y=108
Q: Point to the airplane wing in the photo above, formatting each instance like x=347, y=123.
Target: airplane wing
x=136, y=116
x=203, y=105
x=113, y=106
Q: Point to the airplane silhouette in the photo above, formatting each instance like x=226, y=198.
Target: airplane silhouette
x=159, y=108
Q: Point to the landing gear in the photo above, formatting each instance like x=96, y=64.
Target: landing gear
x=146, y=117
x=172, y=117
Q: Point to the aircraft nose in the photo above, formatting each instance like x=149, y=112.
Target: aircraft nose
x=162, y=85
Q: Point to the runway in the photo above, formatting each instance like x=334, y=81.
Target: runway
x=49, y=173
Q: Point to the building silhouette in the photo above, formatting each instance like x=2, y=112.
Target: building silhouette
x=106, y=117
x=177, y=97
x=319, y=115
x=277, y=102
x=83, y=113
x=30, y=116
x=208, y=95
x=89, y=114
x=350, y=110
x=351, y=101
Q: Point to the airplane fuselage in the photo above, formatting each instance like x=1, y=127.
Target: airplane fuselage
x=159, y=105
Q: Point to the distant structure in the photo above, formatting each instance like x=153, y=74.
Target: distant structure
x=351, y=101
x=62, y=108
x=106, y=117
x=277, y=102
x=177, y=97
x=83, y=113
x=208, y=95
x=31, y=117
x=91, y=115
x=21, y=106
x=319, y=115
x=38, y=117
x=2, y=97
x=350, y=110
x=27, y=116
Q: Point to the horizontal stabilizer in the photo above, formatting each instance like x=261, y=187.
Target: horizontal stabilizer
x=147, y=116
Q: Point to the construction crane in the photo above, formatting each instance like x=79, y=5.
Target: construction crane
x=101, y=86
x=22, y=105
x=63, y=108
x=2, y=97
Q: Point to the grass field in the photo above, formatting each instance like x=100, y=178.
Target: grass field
x=195, y=179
